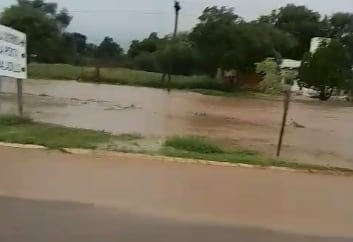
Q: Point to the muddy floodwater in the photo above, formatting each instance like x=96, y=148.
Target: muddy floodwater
x=252, y=123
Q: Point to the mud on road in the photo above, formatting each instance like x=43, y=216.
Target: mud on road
x=251, y=123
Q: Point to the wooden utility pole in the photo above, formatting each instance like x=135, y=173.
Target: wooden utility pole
x=177, y=9
x=284, y=120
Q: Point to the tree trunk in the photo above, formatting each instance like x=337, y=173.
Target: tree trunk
x=163, y=78
x=324, y=96
x=97, y=74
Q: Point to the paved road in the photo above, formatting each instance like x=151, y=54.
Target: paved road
x=161, y=193
x=33, y=221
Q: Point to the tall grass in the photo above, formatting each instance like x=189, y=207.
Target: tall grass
x=199, y=148
x=120, y=76
x=193, y=144
x=26, y=131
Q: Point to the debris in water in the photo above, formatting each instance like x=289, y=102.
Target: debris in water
x=296, y=125
x=118, y=107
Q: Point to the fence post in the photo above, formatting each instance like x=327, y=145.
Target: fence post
x=284, y=120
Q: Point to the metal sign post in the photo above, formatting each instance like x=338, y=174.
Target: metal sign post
x=13, y=59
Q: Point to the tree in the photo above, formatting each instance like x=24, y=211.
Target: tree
x=109, y=51
x=271, y=76
x=260, y=41
x=150, y=45
x=299, y=21
x=73, y=48
x=214, y=36
x=182, y=56
x=43, y=24
x=91, y=50
x=225, y=41
x=341, y=24
x=341, y=28
x=326, y=69
x=145, y=61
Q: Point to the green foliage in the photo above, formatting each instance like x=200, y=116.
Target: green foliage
x=300, y=22
x=271, y=83
x=25, y=131
x=145, y=61
x=42, y=23
x=14, y=120
x=193, y=144
x=221, y=39
x=155, y=54
x=149, y=45
x=120, y=76
x=15, y=130
x=108, y=52
x=329, y=67
x=341, y=24
x=214, y=38
x=225, y=40
x=198, y=148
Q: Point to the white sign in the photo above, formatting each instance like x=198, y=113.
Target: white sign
x=13, y=60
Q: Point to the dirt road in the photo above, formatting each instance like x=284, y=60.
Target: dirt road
x=250, y=123
x=286, y=202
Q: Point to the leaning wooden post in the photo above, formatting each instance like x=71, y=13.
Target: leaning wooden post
x=20, y=97
x=284, y=119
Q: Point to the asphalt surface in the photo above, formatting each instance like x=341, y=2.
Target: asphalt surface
x=39, y=221
x=150, y=199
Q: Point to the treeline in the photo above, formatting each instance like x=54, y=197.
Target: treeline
x=221, y=39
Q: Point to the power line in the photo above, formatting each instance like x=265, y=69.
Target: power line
x=131, y=11
x=119, y=10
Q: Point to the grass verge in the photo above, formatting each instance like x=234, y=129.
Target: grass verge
x=199, y=148
x=25, y=131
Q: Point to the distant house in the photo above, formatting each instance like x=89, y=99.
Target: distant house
x=316, y=42
x=290, y=67
x=289, y=64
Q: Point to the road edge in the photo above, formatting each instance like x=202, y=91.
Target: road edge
x=162, y=158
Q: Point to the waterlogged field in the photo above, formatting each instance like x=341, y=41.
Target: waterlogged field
x=241, y=122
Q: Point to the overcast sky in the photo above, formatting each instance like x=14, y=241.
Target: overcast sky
x=125, y=20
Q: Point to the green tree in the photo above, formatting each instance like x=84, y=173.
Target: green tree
x=150, y=45
x=225, y=41
x=299, y=21
x=341, y=24
x=271, y=82
x=182, y=57
x=145, y=61
x=260, y=41
x=73, y=48
x=328, y=68
x=43, y=24
x=109, y=52
x=214, y=37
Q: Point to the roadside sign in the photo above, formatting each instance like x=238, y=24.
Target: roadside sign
x=13, y=61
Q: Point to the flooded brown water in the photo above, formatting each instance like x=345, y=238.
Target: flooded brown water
x=246, y=122
x=292, y=202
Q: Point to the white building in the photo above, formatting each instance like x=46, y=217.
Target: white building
x=316, y=42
